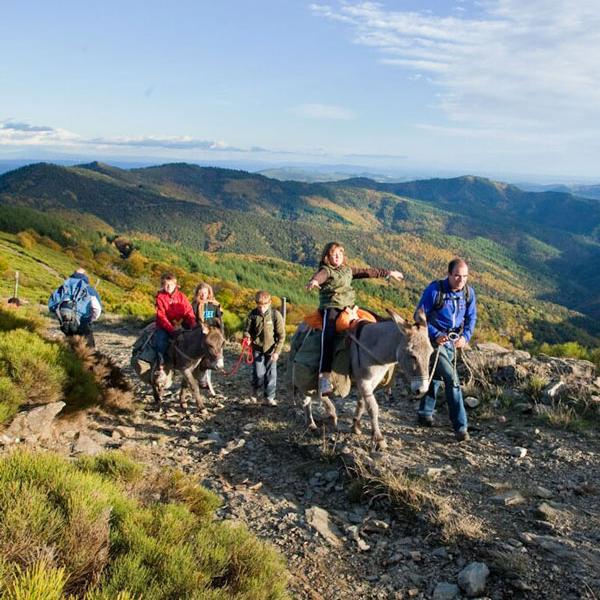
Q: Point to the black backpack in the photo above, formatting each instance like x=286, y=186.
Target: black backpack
x=67, y=313
x=440, y=295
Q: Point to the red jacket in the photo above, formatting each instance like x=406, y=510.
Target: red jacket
x=173, y=307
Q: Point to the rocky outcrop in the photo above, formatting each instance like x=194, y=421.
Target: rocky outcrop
x=542, y=379
x=35, y=424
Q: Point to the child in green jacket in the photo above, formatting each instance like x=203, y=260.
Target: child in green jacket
x=334, y=280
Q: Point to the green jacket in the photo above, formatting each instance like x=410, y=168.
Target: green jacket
x=337, y=290
x=267, y=331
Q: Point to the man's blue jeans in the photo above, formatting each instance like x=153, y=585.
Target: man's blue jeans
x=264, y=374
x=444, y=371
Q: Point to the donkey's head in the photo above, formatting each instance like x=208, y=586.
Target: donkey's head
x=414, y=350
x=212, y=345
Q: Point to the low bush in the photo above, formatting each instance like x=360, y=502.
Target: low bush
x=232, y=323
x=21, y=318
x=37, y=371
x=91, y=529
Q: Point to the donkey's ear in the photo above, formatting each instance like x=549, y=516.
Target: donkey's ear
x=396, y=317
x=420, y=317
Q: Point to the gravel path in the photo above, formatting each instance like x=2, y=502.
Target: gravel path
x=275, y=476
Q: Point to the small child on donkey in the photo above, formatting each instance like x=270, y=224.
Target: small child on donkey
x=334, y=280
x=173, y=311
x=265, y=329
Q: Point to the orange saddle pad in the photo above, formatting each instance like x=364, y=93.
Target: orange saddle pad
x=346, y=319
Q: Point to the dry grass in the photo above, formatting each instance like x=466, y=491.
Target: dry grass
x=413, y=497
x=116, y=392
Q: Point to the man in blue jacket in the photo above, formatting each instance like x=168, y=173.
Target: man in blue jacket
x=76, y=305
x=451, y=315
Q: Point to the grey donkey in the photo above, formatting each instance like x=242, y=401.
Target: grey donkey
x=378, y=348
x=193, y=352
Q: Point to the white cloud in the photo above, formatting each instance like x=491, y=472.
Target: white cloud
x=530, y=67
x=324, y=111
x=17, y=133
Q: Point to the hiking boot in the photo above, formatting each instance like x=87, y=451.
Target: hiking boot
x=425, y=420
x=325, y=387
x=270, y=402
x=462, y=436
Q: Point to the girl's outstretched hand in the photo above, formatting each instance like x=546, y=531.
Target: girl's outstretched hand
x=312, y=284
x=397, y=275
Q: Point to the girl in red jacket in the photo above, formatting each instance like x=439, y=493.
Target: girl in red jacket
x=173, y=310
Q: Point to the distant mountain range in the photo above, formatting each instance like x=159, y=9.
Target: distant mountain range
x=587, y=191
x=530, y=253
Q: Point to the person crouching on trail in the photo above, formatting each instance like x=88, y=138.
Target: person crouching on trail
x=265, y=329
x=451, y=311
x=173, y=310
x=334, y=280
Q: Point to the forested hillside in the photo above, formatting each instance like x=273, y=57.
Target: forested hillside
x=530, y=263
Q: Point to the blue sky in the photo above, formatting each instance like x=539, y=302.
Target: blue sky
x=484, y=87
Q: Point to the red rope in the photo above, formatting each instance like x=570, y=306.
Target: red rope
x=245, y=354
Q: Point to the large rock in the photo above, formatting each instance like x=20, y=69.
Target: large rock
x=472, y=579
x=84, y=444
x=508, y=498
x=445, y=591
x=548, y=513
x=36, y=423
x=319, y=519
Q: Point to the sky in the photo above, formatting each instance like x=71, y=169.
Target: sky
x=487, y=87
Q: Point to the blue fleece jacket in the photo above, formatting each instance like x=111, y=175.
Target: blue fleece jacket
x=454, y=314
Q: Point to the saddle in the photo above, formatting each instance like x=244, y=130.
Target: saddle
x=347, y=319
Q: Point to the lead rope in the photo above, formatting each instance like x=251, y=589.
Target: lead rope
x=435, y=362
x=294, y=367
x=246, y=354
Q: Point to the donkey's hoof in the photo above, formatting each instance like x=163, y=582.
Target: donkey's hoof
x=356, y=428
x=313, y=426
x=380, y=445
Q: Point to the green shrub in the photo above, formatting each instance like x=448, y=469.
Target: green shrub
x=33, y=364
x=232, y=322
x=21, y=318
x=11, y=397
x=114, y=465
x=72, y=528
x=568, y=350
x=27, y=239
x=534, y=387
x=37, y=582
x=38, y=371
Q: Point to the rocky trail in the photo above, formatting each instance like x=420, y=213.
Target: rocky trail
x=524, y=495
